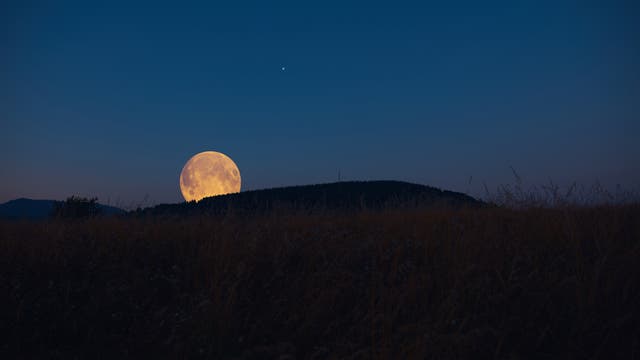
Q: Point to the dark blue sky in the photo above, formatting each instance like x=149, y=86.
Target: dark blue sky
x=111, y=99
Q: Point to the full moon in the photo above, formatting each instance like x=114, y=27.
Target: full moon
x=209, y=173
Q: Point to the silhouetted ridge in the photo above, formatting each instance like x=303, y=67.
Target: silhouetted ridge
x=340, y=196
x=39, y=209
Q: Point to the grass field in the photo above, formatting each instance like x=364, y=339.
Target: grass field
x=405, y=283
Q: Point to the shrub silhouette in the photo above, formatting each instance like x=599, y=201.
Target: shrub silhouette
x=76, y=207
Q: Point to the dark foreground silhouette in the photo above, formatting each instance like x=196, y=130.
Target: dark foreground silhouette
x=401, y=283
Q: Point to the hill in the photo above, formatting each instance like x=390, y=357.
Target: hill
x=39, y=209
x=339, y=196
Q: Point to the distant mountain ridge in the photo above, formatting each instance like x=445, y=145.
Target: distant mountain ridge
x=24, y=208
x=341, y=196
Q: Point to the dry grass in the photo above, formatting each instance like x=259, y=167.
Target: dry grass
x=474, y=283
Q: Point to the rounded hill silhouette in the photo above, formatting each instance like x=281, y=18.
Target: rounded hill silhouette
x=340, y=196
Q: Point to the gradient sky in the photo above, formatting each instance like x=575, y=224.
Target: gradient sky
x=110, y=99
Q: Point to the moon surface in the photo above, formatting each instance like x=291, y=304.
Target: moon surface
x=209, y=173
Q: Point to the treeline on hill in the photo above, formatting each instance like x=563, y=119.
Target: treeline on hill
x=403, y=283
x=334, y=197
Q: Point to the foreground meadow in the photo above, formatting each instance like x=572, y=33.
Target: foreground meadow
x=465, y=283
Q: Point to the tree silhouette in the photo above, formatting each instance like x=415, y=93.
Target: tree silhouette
x=76, y=207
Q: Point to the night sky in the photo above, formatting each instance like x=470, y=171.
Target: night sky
x=110, y=99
